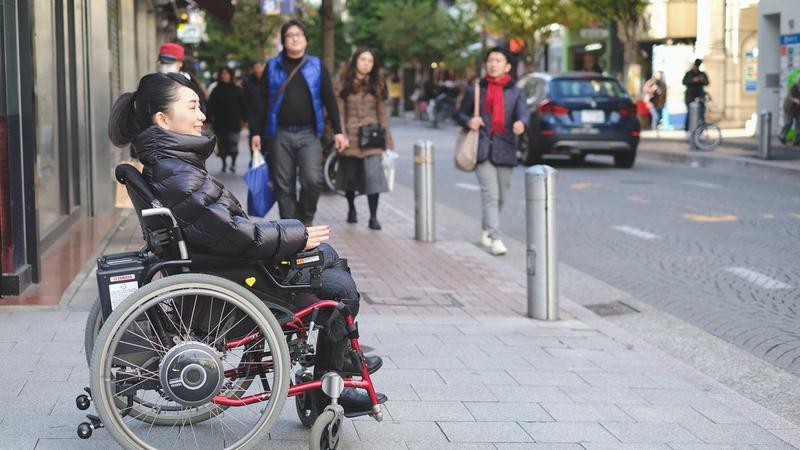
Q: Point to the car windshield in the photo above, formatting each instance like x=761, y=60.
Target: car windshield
x=574, y=87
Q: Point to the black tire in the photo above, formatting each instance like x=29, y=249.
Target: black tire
x=320, y=434
x=106, y=397
x=329, y=172
x=625, y=160
x=577, y=158
x=93, y=324
x=707, y=137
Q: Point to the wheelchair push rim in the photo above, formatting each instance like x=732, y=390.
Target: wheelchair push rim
x=188, y=366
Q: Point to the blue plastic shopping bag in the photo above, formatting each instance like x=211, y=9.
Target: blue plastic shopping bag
x=259, y=190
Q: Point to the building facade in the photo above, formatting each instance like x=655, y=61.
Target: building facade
x=62, y=64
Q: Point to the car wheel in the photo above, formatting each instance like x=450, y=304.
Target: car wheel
x=625, y=161
x=577, y=158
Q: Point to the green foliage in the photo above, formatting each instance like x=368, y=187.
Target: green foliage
x=248, y=37
x=625, y=11
x=342, y=48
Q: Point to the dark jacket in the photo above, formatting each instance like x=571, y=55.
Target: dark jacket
x=790, y=108
x=226, y=109
x=500, y=149
x=211, y=218
x=275, y=74
x=252, y=96
x=694, y=89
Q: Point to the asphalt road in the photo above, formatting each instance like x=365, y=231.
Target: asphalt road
x=718, y=250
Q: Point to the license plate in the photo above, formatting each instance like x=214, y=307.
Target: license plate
x=593, y=116
x=585, y=130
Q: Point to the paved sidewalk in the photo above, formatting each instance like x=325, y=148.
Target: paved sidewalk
x=463, y=367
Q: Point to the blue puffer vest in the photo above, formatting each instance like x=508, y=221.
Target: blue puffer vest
x=311, y=72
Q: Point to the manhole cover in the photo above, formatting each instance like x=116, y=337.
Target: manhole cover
x=612, y=309
x=429, y=299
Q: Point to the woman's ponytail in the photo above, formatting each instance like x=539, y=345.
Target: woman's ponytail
x=123, y=125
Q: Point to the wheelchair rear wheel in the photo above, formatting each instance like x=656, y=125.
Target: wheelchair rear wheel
x=166, y=346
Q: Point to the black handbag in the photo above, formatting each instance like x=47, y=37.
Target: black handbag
x=372, y=135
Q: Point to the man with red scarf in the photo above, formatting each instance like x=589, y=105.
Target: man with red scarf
x=503, y=116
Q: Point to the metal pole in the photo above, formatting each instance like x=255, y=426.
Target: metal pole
x=764, y=128
x=423, y=192
x=540, y=202
x=694, y=118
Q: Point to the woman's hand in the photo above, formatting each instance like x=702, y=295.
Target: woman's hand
x=317, y=235
x=475, y=123
x=518, y=127
x=255, y=142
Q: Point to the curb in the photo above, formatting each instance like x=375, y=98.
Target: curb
x=750, y=164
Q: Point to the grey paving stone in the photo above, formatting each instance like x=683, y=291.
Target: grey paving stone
x=529, y=394
x=428, y=411
x=568, y=432
x=674, y=397
x=732, y=434
x=504, y=351
x=710, y=447
x=449, y=392
x=484, y=432
x=473, y=339
x=608, y=379
x=531, y=341
x=396, y=376
x=664, y=413
x=586, y=412
x=478, y=362
x=439, y=330
x=720, y=413
x=17, y=442
x=95, y=443
x=558, y=364
x=538, y=446
x=618, y=446
x=448, y=446
x=422, y=339
x=473, y=377
x=507, y=411
x=451, y=350
x=397, y=391
x=591, y=394
x=534, y=377
x=399, y=431
x=650, y=433
x=428, y=362
x=395, y=349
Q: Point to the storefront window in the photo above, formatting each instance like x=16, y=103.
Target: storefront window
x=9, y=129
x=47, y=175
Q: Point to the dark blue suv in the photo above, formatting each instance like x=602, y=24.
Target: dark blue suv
x=576, y=114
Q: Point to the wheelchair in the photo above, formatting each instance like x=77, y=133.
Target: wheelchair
x=201, y=351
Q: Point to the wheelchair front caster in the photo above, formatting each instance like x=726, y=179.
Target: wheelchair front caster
x=86, y=429
x=326, y=432
x=83, y=401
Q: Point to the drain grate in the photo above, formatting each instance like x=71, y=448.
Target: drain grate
x=431, y=299
x=612, y=309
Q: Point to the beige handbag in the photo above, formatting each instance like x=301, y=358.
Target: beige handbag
x=467, y=144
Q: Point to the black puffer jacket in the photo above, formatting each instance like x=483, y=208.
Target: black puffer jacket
x=211, y=218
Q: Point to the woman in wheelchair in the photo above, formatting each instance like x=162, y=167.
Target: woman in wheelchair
x=163, y=123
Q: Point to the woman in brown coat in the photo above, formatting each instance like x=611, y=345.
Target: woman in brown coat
x=362, y=102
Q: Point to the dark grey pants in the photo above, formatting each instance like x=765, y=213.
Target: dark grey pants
x=295, y=150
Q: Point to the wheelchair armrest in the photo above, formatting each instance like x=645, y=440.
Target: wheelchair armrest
x=304, y=260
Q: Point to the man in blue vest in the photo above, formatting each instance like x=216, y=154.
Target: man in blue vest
x=291, y=121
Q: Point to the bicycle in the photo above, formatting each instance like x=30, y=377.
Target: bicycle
x=707, y=136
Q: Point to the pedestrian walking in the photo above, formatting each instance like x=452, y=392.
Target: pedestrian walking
x=297, y=89
x=226, y=111
x=695, y=81
x=252, y=86
x=791, y=111
x=362, y=101
x=654, y=93
x=503, y=114
x=395, y=93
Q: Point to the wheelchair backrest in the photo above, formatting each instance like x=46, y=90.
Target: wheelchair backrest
x=162, y=235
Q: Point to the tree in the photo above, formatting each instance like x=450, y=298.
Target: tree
x=248, y=36
x=629, y=14
x=530, y=20
x=314, y=29
x=328, y=24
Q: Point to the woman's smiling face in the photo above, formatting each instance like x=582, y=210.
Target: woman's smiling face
x=184, y=115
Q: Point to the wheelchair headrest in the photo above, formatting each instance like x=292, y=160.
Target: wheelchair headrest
x=136, y=186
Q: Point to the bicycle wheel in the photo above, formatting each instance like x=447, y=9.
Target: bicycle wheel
x=165, y=345
x=707, y=137
x=329, y=171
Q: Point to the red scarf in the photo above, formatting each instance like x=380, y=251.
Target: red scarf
x=494, y=102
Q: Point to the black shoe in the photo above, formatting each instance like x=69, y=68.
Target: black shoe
x=352, y=365
x=782, y=139
x=233, y=169
x=356, y=402
x=351, y=216
x=374, y=224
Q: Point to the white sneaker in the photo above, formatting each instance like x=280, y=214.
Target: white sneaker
x=486, y=241
x=498, y=248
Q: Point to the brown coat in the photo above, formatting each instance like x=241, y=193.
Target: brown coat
x=360, y=109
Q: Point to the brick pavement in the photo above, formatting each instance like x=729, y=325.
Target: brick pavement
x=463, y=367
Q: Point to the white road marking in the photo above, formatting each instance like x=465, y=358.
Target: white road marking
x=637, y=232
x=468, y=186
x=759, y=279
x=702, y=184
